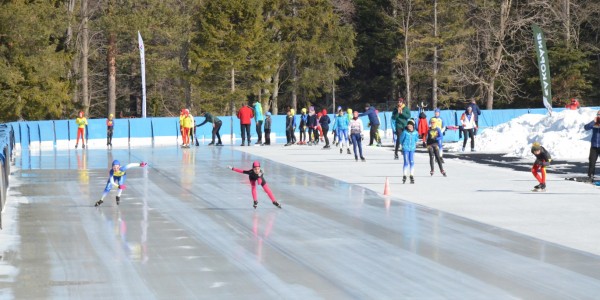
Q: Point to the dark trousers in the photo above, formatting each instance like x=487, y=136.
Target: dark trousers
x=288, y=135
x=109, y=134
x=259, y=131
x=267, y=136
x=594, y=152
x=325, y=130
x=374, y=135
x=469, y=133
x=215, y=131
x=434, y=153
x=398, y=134
x=245, y=130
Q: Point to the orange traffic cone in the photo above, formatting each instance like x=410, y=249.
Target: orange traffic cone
x=386, y=188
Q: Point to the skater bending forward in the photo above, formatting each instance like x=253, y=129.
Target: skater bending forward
x=542, y=160
x=256, y=176
x=116, y=177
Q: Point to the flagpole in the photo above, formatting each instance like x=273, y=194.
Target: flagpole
x=143, y=67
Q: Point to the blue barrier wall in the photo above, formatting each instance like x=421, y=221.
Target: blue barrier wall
x=36, y=131
x=165, y=127
x=139, y=128
x=61, y=130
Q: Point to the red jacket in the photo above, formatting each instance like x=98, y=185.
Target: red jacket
x=245, y=114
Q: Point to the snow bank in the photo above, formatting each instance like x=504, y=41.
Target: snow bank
x=561, y=133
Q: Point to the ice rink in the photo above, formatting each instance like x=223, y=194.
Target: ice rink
x=186, y=228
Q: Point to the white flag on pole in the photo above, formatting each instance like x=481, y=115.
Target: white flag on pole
x=143, y=65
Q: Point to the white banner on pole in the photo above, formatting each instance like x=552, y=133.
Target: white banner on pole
x=143, y=65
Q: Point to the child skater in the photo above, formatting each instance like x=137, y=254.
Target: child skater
x=433, y=136
x=256, y=176
x=409, y=139
x=81, y=122
x=542, y=160
x=116, y=177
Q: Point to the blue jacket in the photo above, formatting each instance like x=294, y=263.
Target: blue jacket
x=409, y=139
x=595, y=141
x=341, y=122
x=258, y=112
x=373, y=118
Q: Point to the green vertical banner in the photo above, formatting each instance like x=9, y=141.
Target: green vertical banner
x=543, y=65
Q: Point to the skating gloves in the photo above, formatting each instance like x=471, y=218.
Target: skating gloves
x=143, y=164
x=122, y=187
x=230, y=167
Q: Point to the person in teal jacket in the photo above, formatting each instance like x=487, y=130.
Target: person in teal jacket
x=409, y=140
x=400, y=116
x=340, y=125
x=259, y=118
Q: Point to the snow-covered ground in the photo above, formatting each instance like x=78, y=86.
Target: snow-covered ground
x=561, y=133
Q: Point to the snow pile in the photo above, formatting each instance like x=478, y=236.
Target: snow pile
x=562, y=134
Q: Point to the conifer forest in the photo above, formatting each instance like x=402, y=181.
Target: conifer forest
x=59, y=57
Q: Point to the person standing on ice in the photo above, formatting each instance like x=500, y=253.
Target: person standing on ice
x=433, y=137
x=256, y=176
x=81, y=122
x=341, y=124
x=110, y=125
x=594, y=126
x=468, y=121
x=356, y=129
x=542, y=160
x=408, y=140
x=116, y=177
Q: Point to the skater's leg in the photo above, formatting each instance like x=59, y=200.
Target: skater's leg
x=592, y=161
x=534, y=171
x=436, y=152
x=269, y=192
x=411, y=160
x=406, y=159
x=431, y=158
x=254, y=195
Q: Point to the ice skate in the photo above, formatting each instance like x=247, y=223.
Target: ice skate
x=348, y=151
x=98, y=203
x=341, y=150
x=412, y=179
x=396, y=157
x=255, y=204
x=118, y=200
x=431, y=172
x=363, y=159
x=404, y=179
x=444, y=173
x=277, y=204
x=211, y=143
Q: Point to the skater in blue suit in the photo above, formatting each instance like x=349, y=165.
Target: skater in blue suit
x=117, y=176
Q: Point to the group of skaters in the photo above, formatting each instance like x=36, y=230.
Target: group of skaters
x=347, y=129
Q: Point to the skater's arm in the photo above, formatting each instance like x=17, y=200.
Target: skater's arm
x=132, y=165
x=237, y=170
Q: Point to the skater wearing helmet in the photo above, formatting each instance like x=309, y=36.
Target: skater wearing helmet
x=542, y=160
x=117, y=178
x=81, y=122
x=256, y=176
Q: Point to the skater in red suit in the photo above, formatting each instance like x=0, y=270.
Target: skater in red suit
x=256, y=176
x=542, y=160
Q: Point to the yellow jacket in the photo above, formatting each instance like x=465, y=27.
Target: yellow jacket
x=81, y=122
x=188, y=121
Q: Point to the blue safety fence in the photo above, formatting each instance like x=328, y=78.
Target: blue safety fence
x=7, y=142
x=32, y=133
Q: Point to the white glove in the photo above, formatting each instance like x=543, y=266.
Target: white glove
x=230, y=167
